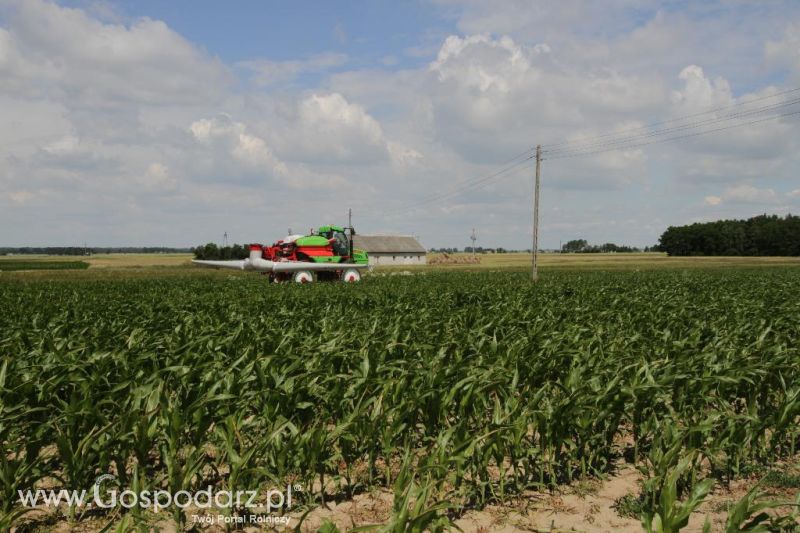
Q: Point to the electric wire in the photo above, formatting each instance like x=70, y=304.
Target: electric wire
x=612, y=141
x=668, y=121
x=492, y=178
x=695, y=134
x=463, y=187
x=612, y=145
x=655, y=133
x=683, y=127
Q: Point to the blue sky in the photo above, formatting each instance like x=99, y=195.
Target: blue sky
x=367, y=31
x=169, y=123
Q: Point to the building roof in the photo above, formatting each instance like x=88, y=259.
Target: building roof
x=387, y=244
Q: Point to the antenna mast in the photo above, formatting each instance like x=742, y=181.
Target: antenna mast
x=473, y=238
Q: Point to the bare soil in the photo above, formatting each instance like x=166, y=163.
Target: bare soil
x=585, y=505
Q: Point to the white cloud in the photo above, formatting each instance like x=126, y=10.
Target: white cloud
x=231, y=142
x=700, y=93
x=491, y=97
x=327, y=128
x=403, y=155
x=482, y=72
x=786, y=52
x=21, y=197
x=157, y=179
x=748, y=194
x=65, y=145
x=64, y=52
x=733, y=147
x=103, y=110
x=332, y=113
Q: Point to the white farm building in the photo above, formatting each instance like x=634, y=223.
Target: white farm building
x=391, y=249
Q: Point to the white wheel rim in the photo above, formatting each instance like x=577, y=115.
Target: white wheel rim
x=303, y=277
x=351, y=276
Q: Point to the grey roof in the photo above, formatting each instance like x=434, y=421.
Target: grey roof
x=388, y=244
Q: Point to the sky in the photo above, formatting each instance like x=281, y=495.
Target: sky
x=153, y=123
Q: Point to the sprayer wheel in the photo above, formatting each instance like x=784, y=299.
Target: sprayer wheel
x=351, y=275
x=303, y=276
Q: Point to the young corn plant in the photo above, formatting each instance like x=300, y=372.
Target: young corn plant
x=750, y=514
x=19, y=470
x=182, y=459
x=82, y=457
x=415, y=508
x=238, y=454
x=491, y=385
x=669, y=514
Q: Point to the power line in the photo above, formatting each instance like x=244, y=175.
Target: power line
x=695, y=134
x=596, y=145
x=693, y=125
x=496, y=176
x=464, y=187
x=676, y=119
x=467, y=187
x=683, y=127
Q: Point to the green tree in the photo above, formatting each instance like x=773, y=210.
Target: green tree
x=577, y=245
x=763, y=235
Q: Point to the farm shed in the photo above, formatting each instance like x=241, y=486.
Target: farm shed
x=391, y=249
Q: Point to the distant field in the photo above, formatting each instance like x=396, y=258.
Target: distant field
x=139, y=260
x=106, y=260
x=513, y=261
x=27, y=264
x=609, y=261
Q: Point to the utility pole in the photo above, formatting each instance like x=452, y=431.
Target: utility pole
x=349, y=218
x=473, y=238
x=535, y=249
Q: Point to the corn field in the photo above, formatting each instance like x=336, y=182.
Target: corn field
x=453, y=390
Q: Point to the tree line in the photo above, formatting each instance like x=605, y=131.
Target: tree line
x=582, y=246
x=211, y=251
x=81, y=250
x=763, y=235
